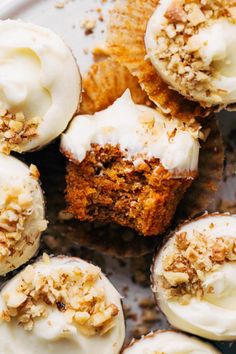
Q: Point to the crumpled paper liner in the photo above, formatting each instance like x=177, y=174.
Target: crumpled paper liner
x=64, y=232
x=105, y=82
x=126, y=32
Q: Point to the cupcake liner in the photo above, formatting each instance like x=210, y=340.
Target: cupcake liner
x=125, y=41
x=105, y=82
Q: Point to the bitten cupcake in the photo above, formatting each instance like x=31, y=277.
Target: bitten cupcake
x=39, y=86
x=185, y=46
x=22, y=217
x=193, y=277
x=131, y=165
x=61, y=305
x=169, y=342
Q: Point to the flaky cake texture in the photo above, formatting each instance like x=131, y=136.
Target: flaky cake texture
x=107, y=187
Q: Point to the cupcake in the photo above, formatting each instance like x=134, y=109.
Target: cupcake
x=39, y=86
x=61, y=305
x=131, y=165
x=169, y=342
x=22, y=217
x=178, y=48
x=193, y=277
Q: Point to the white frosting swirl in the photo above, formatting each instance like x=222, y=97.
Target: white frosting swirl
x=215, y=42
x=141, y=133
x=15, y=174
x=170, y=342
x=55, y=334
x=39, y=77
x=216, y=45
x=213, y=316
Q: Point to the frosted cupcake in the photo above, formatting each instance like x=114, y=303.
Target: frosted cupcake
x=193, y=277
x=130, y=163
x=21, y=213
x=39, y=86
x=185, y=46
x=61, y=305
x=169, y=342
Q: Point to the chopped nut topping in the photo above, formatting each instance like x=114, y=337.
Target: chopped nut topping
x=73, y=293
x=186, y=267
x=178, y=49
x=34, y=172
x=15, y=210
x=16, y=130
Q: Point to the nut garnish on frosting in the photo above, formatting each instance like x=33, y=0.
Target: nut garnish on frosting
x=191, y=45
x=62, y=303
x=194, y=277
x=16, y=130
x=70, y=292
x=21, y=212
x=186, y=265
x=15, y=208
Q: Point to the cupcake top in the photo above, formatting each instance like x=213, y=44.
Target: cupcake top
x=21, y=213
x=142, y=133
x=61, y=305
x=191, y=45
x=39, y=86
x=169, y=342
x=194, y=277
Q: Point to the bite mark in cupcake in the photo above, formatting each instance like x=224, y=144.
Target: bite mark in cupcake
x=126, y=166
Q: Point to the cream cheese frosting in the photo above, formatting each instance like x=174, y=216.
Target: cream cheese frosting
x=139, y=131
x=170, y=342
x=197, y=290
x=21, y=213
x=191, y=47
x=53, y=330
x=40, y=86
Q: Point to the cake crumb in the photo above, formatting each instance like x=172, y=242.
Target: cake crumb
x=88, y=24
x=61, y=4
